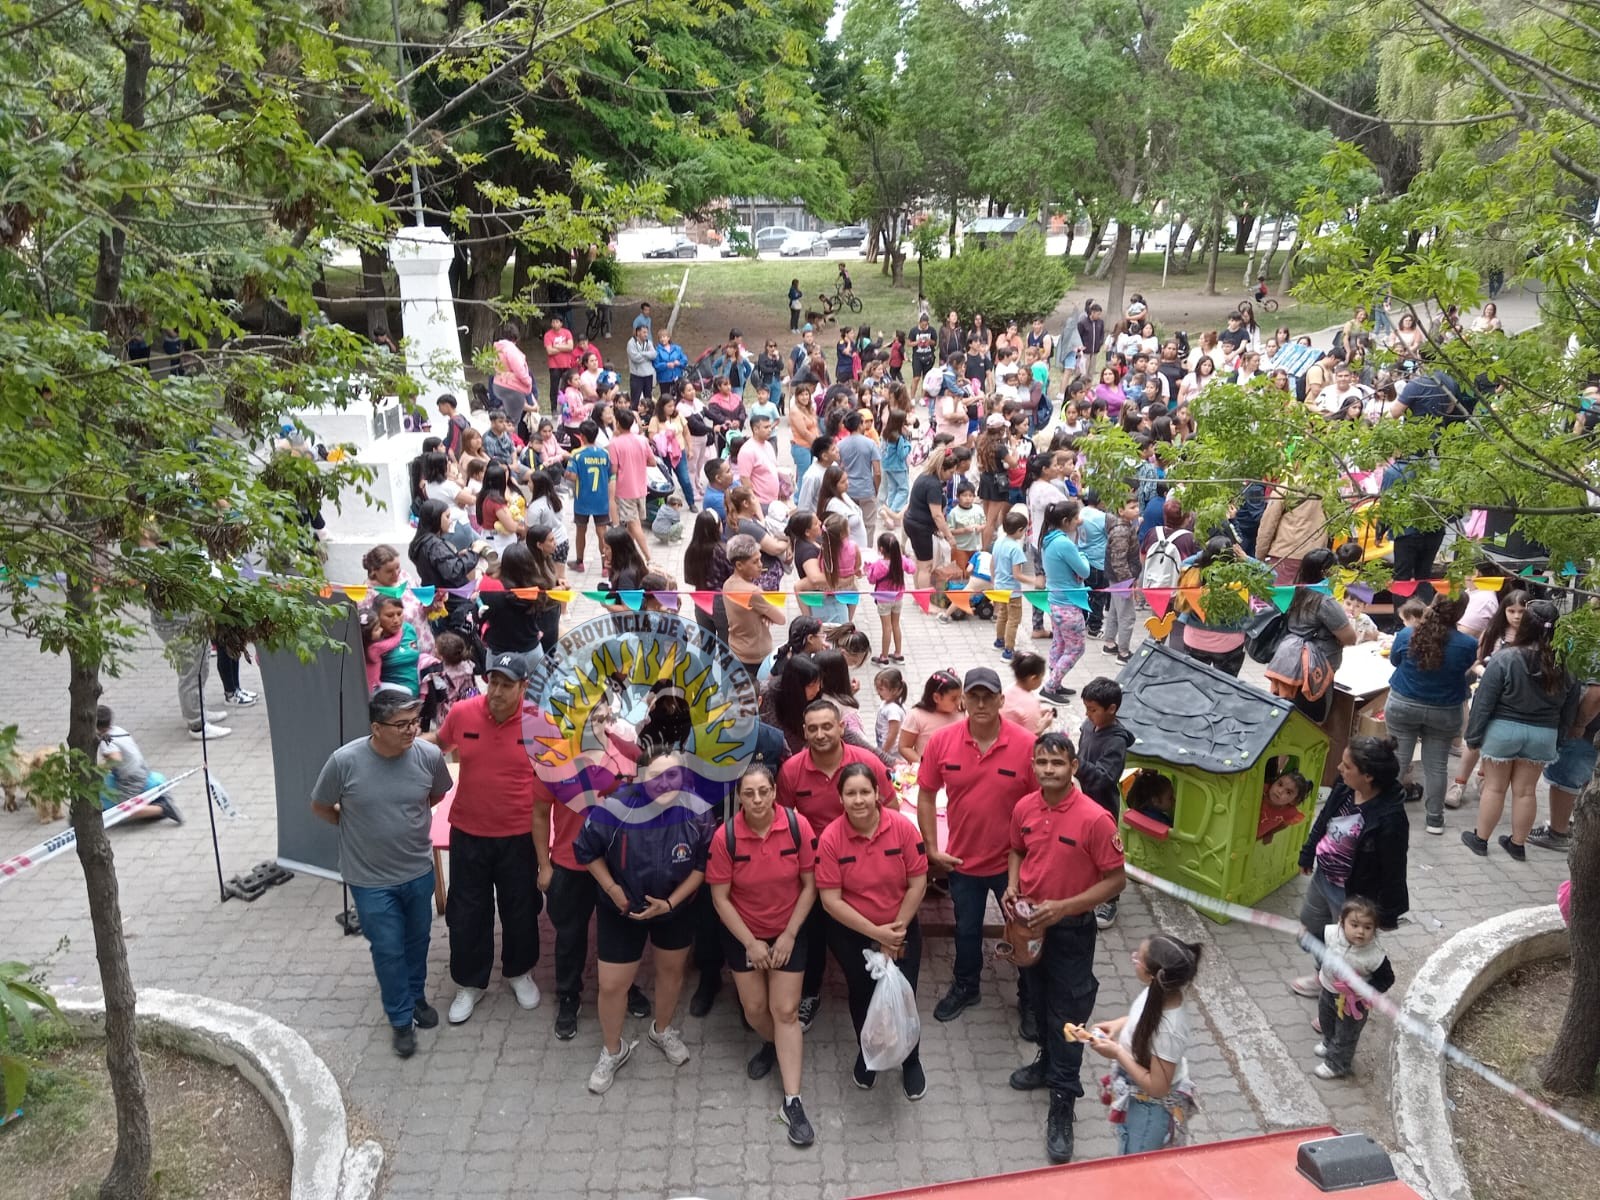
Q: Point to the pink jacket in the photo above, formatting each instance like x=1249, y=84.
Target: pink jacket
x=513, y=368
x=375, y=652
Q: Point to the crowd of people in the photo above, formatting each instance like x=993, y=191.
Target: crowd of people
x=949, y=458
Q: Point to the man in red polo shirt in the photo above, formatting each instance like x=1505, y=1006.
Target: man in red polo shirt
x=985, y=765
x=1065, y=858
x=806, y=783
x=492, y=858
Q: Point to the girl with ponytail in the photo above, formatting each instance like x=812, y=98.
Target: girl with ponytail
x=1148, y=1090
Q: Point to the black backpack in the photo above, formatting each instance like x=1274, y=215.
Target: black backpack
x=794, y=830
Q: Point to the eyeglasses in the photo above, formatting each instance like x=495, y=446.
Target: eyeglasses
x=411, y=726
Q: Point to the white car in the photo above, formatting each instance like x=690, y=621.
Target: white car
x=804, y=243
x=772, y=236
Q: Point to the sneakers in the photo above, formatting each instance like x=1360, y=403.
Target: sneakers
x=1435, y=824
x=405, y=1041
x=762, y=1061
x=638, y=1003
x=670, y=1042
x=566, y=1018
x=216, y=715
x=576, y=568
x=1471, y=840
x=1520, y=853
x=705, y=993
x=526, y=990
x=207, y=731
x=241, y=698
x=425, y=1015
x=168, y=809
x=1322, y=1050
x=1455, y=793
x=1031, y=1077
x=1305, y=985
x=1105, y=915
x=914, y=1079
x=1324, y=1071
x=957, y=1000
x=864, y=1079
x=461, y=1007
x=1007, y=655
x=1057, y=695
x=1548, y=839
x=808, y=1011
x=1058, y=1128
x=999, y=644
x=605, y=1071
x=794, y=1116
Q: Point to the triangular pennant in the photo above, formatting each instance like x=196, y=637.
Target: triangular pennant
x=633, y=598
x=776, y=599
x=397, y=592
x=1360, y=591
x=527, y=593
x=1039, y=599
x=325, y=591
x=1568, y=570
x=248, y=572
x=960, y=599
x=1191, y=600
x=1442, y=586
x=599, y=597
x=811, y=599
x=425, y=595
x=1324, y=587
x=1527, y=572
x=1159, y=600
x=1282, y=597
x=850, y=598
x=1403, y=587
x=999, y=595
x=1123, y=588
x=1078, y=597
x=356, y=592
x=742, y=599
x=703, y=601
x=665, y=599
x=465, y=590
x=560, y=595
x=1489, y=583
x=921, y=597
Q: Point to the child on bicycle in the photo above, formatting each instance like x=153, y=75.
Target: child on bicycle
x=845, y=286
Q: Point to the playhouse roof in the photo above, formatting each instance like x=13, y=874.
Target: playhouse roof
x=1188, y=714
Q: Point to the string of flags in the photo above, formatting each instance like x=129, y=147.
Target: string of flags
x=1159, y=599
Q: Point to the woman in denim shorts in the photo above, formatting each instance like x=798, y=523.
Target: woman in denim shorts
x=1522, y=704
x=1574, y=764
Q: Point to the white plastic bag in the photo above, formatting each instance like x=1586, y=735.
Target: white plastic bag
x=892, y=1028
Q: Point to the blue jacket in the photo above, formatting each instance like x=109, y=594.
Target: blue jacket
x=650, y=837
x=670, y=363
x=1064, y=565
x=1443, y=686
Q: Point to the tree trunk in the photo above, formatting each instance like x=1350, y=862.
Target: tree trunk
x=1272, y=250
x=874, y=236
x=1188, y=248
x=1097, y=226
x=1213, y=250
x=1243, y=223
x=129, y=1177
x=952, y=226
x=1044, y=213
x=1285, y=277
x=897, y=269
x=1570, y=1069
x=482, y=286
x=108, y=268
x=1119, y=268
x=374, y=290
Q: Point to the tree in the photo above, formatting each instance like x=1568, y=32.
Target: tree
x=1497, y=99
x=1003, y=280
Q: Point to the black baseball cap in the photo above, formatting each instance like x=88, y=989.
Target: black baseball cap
x=982, y=677
x=515, y=666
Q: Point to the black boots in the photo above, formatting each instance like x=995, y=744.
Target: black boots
x=1058, y=1128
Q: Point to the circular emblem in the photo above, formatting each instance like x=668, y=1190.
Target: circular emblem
x=620, y=690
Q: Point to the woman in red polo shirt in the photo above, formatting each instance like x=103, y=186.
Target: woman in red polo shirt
x=872, y=871
x=760, y=874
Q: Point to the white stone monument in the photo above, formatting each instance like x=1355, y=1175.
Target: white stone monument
x=422, y=255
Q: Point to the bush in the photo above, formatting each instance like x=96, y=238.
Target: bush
x=1003, y=280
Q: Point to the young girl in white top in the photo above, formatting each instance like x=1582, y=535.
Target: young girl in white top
x=891, y=688
x=1342, y=1014
x=1148, y=1090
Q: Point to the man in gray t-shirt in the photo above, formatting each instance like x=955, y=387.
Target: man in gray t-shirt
x=863, y=467
x=380, y=792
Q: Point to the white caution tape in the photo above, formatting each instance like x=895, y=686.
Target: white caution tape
x=17, y=864
x=1433, y=1038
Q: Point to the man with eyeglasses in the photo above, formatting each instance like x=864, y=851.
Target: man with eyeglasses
x=380, y=791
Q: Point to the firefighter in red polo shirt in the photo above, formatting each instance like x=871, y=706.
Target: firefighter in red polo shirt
x=985, y=765
x=1066, y=858
x=807, y=784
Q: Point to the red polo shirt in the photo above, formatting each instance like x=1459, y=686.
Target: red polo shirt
x=496, y=786
x=1066, y=848
x=982, y=787
x=815, y=796
x=871, y=872
x=764, y=872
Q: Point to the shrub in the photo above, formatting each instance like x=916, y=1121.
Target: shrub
x=1003, y=280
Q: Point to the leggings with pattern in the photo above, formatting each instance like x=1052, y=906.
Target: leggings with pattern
x=1066, y=641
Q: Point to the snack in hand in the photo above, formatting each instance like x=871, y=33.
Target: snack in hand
x=1077, y=1033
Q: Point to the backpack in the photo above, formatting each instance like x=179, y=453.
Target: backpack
x=1162, y=565
x=1262, y=635
x=794, y=831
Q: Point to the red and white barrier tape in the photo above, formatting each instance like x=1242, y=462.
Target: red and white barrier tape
x=17, y=864
x=1409, y=1026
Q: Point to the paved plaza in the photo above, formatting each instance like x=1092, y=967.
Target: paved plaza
x=498, y=1108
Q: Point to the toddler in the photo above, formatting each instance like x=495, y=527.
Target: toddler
x=1152, y=794
x=888, y=579
x=391, y=646
x=1280, y=799
x=1020, y=705
x=892, y=692
x=1009, y=563
x=450, y=681
x=966, y=521
x=1342, y=1014
x=1356, y=610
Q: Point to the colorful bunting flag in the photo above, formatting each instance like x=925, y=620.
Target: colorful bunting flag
x=1124, y=588
x=561, y=595
x=1403, y=587
x=848, y=598
x=358, y=594
x=633, y=598
x=598, y=597
x=811, y=599
x=1039, y=599
x=1360, y=591
x=1282, y=597
x=703, y=601
x=1489, y=583
x=425, y=595
x=920, y=596
x=397, y=592
x=1442, y=586
x=1160, y=599
x=1078, y=597
x=999, y=595
x=776, y=599
x=742, y=599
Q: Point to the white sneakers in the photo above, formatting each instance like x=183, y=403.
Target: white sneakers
x=209, y=732
x=466, y=1000
x=527, y=991
x=670, y=1042
x=606, y=1069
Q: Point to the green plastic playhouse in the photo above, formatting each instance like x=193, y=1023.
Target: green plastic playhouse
x=1218, y=739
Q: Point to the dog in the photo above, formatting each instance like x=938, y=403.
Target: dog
x=821, y=319
x=15, y=771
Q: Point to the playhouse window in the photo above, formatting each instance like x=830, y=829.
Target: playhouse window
x=1153, y=795
x=1283, y=792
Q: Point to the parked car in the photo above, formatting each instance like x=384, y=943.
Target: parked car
x=804, y=243
x=735, y=243
x=679, y=247
x=849, y=236
x=772, y=237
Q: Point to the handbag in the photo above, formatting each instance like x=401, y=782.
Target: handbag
x=1019, y=945
x=1264, y=633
